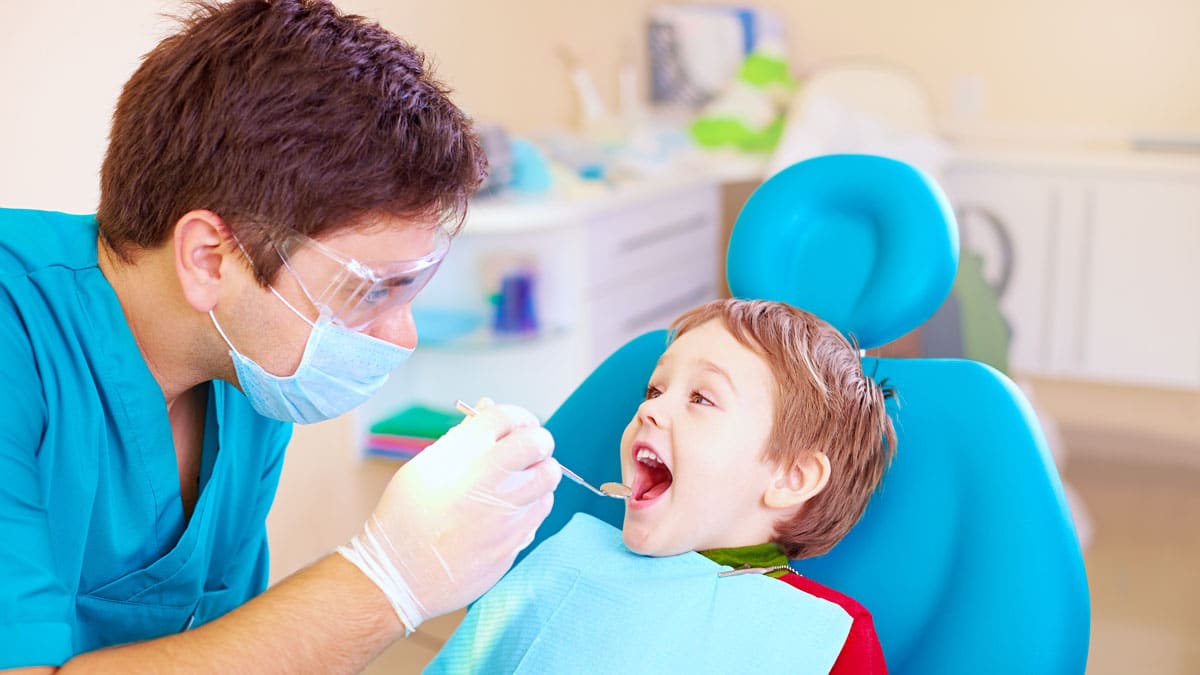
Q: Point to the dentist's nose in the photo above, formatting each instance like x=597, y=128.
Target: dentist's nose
x=397, y=327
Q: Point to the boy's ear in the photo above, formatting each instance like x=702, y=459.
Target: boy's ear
x=798, y=482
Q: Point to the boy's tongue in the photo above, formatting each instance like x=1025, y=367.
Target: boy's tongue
x=651, y=481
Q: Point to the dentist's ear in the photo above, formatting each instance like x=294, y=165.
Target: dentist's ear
x=795, y=484
x=199, y=251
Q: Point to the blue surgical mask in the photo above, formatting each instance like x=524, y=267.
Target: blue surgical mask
x=340, y=369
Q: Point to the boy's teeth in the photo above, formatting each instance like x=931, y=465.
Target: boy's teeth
x=648, y=455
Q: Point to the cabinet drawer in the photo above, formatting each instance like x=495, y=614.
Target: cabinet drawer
x=641, y=237
x=648, y=303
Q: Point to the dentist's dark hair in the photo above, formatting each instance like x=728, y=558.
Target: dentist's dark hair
x=282, y=116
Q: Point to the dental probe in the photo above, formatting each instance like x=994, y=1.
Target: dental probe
x=614, y=490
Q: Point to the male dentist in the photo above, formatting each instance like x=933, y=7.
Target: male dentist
x=281, y=180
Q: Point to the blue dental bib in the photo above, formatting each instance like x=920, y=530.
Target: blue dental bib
x=583, y=602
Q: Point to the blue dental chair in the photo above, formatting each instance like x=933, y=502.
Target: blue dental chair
x=967, y=556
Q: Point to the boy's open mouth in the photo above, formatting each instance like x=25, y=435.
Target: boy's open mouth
x=652, y=478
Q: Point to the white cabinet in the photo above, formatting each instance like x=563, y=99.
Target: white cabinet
x=1140, y=264
x=608, y=268
x=1104, y=281
x=1027, y=210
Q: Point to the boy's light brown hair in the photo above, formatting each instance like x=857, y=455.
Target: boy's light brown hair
x=823, y=403
x=282, y=116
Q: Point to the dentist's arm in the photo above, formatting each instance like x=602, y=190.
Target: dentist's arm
x=447, y=527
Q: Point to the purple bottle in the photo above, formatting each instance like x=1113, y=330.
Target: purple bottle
x=515, y=314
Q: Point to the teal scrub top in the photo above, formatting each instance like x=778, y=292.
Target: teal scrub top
x=95, y=549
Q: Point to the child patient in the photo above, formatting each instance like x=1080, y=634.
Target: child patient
x=760, y=439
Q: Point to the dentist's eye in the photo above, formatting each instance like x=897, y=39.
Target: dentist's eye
x=652, y=392
x=699, y=399
x=381, y=292
x=376, y=295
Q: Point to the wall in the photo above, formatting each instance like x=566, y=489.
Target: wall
x=63, y=66
x=1044, y=70
x=502, y=58
x=1090, y=69
x=1064, y=66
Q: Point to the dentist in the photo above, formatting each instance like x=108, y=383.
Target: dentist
x=281, y=180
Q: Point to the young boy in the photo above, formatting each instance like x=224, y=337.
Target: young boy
x=760, y=439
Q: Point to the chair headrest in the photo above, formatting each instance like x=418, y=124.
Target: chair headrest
x=867, y=243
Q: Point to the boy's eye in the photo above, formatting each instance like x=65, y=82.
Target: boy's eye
x=652, y=392
x=699, y=398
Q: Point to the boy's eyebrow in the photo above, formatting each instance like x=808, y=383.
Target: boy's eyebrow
x=712, y=367
x=705, y=364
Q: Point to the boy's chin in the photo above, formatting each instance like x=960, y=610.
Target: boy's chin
x=635, y=544
x=642, y=542
x=636, y=538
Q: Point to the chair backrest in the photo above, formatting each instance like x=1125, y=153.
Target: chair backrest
x=966, y=557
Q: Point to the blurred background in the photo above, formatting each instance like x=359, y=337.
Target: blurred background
x=624, y=137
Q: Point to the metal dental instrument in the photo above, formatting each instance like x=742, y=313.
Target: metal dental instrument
x=614, y=490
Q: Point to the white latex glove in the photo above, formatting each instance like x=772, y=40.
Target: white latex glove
x=452, y=520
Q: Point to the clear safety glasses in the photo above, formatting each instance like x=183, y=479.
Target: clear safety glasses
x=357, y=293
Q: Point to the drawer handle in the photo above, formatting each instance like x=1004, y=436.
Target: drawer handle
x=666, y=232
x=673, y=307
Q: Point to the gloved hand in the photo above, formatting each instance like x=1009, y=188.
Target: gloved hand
x=452, y=520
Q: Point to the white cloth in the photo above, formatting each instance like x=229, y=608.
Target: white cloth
x=583, y=603
x=824, y=125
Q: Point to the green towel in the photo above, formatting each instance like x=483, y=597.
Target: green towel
x=762, y=555
x=985, y=333
x=419, y=421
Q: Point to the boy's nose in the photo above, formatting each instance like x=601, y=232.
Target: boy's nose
x=652, y=413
